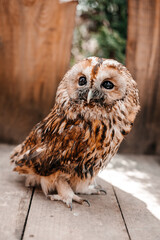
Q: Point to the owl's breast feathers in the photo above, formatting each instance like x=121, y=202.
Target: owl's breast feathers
x=74, y=146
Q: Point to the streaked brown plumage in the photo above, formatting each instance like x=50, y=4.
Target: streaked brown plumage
x=96, y=104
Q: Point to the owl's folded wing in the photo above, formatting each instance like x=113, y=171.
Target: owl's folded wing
x=62, y=145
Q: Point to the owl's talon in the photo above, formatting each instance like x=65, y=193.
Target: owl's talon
x=103, y=191
x=85, y=200
x=70, y=206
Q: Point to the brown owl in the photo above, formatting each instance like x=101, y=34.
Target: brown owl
x=95, y=107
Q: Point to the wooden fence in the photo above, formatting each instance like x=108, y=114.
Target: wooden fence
x=35, y=43
x=143, y=60
x=35, y=46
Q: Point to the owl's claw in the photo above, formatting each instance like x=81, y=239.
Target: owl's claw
x=80, y=200
x=95, y=191
x=103, y=191
x=68, y=202
x=70, y=206
x=100, y=189
x=85, y=200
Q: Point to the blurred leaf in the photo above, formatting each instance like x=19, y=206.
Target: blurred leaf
x=105, y=21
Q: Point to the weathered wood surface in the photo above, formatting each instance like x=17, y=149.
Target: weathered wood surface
x=14, y=199
x=53, y=220
x=130, y=210
x=136, y=180
x=35, y=44
x=143, y=61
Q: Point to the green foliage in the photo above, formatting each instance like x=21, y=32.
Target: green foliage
x=111, y=44
x=106, y=21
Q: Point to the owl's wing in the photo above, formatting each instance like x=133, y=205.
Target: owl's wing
x=32, y=147
x=54, y=144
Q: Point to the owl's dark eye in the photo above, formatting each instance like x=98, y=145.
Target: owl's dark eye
x=107, y=85
x=82, y=81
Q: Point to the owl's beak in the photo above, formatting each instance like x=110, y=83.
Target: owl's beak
x=90, y=95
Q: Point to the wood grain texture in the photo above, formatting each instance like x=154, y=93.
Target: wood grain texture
x=141, y=223
x=35, y=42
x=132, y=184
x=143, y=61
x=136, y=181
x=14, y=199
x=53, y=220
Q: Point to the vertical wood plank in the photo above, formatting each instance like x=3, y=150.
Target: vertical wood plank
x=35, y=43
x=14, y=199
x=143, y=61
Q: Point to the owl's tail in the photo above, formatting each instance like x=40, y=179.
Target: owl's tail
x=24, y=159
x=18, y=159
x=15, y=154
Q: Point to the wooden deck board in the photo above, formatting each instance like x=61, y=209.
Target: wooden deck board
x=130, y=210
x=14, y=198
x=136, y=180
x=53, y=220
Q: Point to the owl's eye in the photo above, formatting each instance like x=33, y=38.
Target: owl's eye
x=82, y=81
x=107, y=85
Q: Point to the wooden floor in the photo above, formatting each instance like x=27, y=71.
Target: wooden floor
x=129, y=211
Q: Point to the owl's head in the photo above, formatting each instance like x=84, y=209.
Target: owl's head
x=95, y=81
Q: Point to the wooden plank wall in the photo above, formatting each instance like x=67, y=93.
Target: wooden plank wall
x=143, y=61
x=35, y=44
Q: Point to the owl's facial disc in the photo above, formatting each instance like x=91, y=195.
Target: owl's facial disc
x=94, y=81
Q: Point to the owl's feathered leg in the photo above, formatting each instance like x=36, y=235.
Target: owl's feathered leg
x=32, y=181
x=65, y=194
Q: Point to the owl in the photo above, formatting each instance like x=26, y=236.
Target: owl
x=95, y=107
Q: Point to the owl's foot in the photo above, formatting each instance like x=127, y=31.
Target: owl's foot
x=68, y=201
x=56, y=197
x=99, y=189
x=80, y=200
x=66, y=194
x=95, y=190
